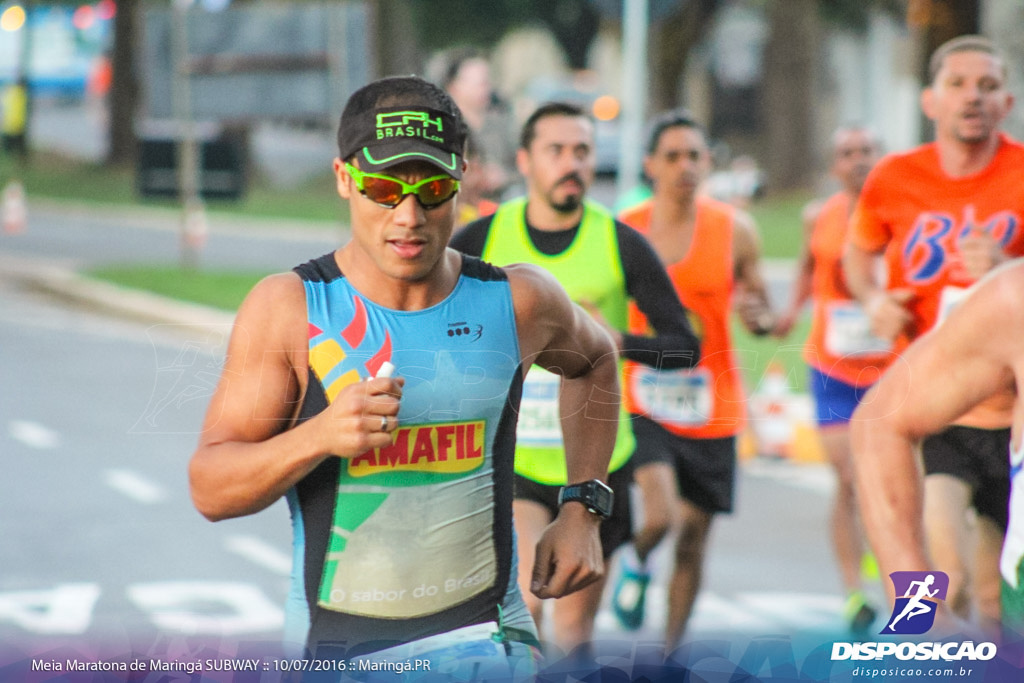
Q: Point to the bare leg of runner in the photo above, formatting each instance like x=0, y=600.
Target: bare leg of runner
x=688, y=571
x=657, y=482
x=574, y=615
x=847, y=535
x=946, y=501
x=987, y=581
x=530, y=521
x=660, y=496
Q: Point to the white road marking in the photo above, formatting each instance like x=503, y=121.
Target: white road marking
x=260, y=552
x=754, y=612
x=33, y=434
x=184, y=607
x=65, y=609
x=134, y=485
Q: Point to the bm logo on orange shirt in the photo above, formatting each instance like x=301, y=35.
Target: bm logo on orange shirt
x=448, y=448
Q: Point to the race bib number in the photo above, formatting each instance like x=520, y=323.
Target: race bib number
x=539, y=424
x=950, y=298
x=677, y=397
x=848, y=332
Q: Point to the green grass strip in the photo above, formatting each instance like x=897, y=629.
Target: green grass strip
x=223, y=289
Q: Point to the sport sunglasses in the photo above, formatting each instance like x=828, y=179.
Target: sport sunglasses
x=389, y=192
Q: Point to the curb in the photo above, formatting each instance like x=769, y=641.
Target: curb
x=124, y=302
x=168, y=219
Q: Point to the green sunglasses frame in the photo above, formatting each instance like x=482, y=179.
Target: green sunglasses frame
x=407, y=189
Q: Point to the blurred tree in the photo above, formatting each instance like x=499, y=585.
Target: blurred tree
x=395, y=26
x=791, y=53
x=937, y=21
x=444, y=23
x=124, y=84
x=574, y=24
x=447, y=23
x=674, y=36
x=685, y=24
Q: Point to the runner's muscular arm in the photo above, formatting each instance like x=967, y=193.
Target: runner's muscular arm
x=752, y=304
x=802, y=285
x=866, y=241
x=561, y=337
x=944, y=373
x=247, y=457
x=885, y=308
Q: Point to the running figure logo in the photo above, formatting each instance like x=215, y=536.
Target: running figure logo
x=918, y=595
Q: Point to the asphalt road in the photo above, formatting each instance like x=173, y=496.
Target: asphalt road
x=100, y=538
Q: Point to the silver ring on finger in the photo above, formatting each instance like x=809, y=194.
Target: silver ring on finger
x=383, y=423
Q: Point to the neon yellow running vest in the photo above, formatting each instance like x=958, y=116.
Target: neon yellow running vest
x=589, y=270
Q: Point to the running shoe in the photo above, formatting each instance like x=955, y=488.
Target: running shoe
x=859, y=614
x=629, y=596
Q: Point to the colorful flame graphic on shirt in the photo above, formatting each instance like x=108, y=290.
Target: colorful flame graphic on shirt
x=332, y=358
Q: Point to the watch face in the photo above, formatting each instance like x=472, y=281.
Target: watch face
x=602, y=500
x=595, y=495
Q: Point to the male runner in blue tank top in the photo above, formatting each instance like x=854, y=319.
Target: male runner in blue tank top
x=401, y=487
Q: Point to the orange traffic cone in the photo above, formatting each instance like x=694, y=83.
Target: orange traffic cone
x=14, y=210
x=771, y=412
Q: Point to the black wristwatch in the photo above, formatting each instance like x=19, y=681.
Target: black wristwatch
x=594, y=494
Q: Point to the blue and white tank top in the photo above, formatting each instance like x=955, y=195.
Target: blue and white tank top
x=413, y=539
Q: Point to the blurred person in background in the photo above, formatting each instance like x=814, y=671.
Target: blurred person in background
x=603, y=264
x=844, y=358
x=941, y=215
x=14, y=102
x=686, y=420
x=467, y=79
x=472, y=202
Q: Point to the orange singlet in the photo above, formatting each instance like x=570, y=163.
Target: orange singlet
x=840, y=344
x=918, y=214
x=706, y=402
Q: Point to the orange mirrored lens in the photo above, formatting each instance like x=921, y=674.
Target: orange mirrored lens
x=382, y=191
x=389, y=192
x=436, y=191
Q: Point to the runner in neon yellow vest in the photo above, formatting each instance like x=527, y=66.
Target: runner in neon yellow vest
x=602, y=264
x=590, y=270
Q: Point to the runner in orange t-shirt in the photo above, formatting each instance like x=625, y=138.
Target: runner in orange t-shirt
x=940, y=216
x=686, y=421
x=844, y=358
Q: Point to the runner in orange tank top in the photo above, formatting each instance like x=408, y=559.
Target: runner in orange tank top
x=703, y=277
x=844, y=358
x=940, y=216
x=686, y=421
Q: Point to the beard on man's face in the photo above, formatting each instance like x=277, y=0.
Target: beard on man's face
x=572, y=201
x=569, y=204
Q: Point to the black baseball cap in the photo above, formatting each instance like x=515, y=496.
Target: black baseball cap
x=385, y=136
